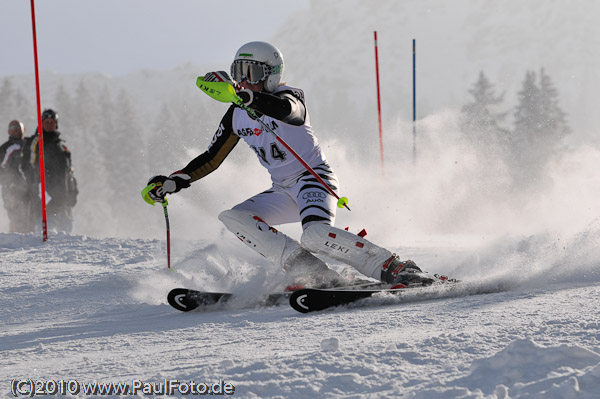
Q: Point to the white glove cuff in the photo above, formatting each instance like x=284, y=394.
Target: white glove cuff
x=168, y=186
x=180, y=175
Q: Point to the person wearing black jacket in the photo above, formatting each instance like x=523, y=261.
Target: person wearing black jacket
x=12, y=178
x=61, y=186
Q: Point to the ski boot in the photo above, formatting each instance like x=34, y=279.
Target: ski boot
x=404, y=274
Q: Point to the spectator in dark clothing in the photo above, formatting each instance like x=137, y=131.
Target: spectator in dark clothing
x=61, y=186
x=12, y=178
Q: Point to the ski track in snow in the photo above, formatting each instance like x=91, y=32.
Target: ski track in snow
x=95, y=310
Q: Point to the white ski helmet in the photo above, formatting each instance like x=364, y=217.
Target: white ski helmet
x=257, y=62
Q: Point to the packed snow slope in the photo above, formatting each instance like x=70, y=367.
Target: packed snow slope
x=95, y=310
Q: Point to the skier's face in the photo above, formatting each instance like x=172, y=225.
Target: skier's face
x=254, y=87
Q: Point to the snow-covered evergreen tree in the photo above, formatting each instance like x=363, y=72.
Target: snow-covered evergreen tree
x=539, y=127
x=15, y=105
x=555, y=122
x=481, y=119
x=6, y=104
x=161, y=140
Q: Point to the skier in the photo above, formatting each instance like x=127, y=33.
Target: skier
x=15, y=194
x=295, y=195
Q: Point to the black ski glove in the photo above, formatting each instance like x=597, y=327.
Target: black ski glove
x=168, y=185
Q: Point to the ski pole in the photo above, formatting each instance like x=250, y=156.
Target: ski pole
x=224, y=92
x=164, y=204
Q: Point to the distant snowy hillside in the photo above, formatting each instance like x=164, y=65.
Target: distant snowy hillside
x=329, y=52
x=88, y=311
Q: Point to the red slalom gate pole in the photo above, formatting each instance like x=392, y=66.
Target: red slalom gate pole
x=40, y=128
x=379, y=104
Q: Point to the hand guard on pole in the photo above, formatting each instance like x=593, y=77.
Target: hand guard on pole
x=219, y=76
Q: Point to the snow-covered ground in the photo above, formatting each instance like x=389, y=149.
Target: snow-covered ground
x=94, y=310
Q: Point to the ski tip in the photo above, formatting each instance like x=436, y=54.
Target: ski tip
x=298, y=301
x=179, y=299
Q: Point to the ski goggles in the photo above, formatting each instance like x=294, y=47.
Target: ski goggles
x=253, y=71
x=50, y=115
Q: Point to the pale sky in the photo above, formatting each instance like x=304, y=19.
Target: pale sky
x=121, y=36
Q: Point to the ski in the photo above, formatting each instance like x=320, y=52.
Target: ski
x=185, y=300
x=307, y=300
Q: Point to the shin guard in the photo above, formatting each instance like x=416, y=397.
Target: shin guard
x=258, y=235
x=346, y=247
